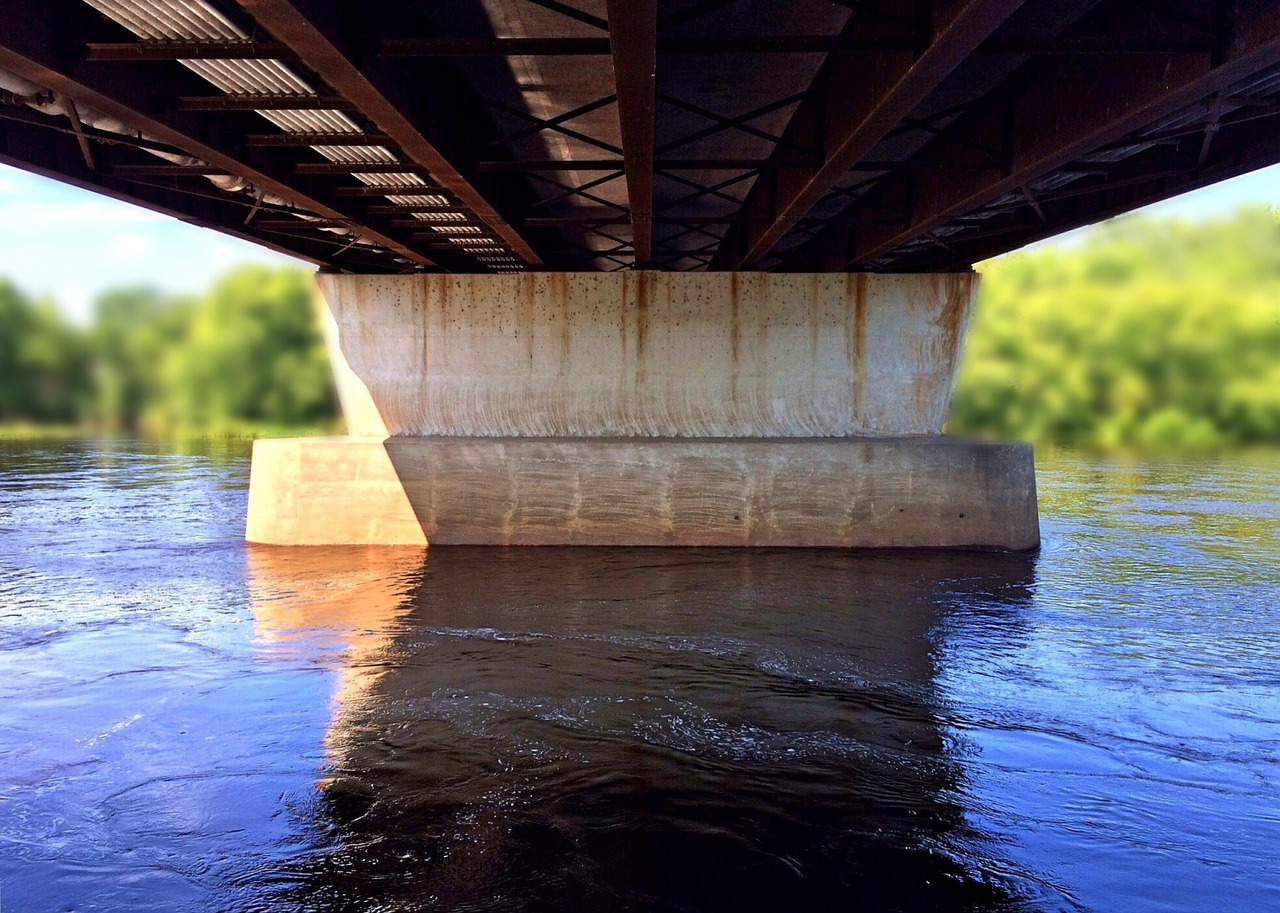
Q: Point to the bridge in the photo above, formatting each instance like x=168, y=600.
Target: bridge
x=629, y=271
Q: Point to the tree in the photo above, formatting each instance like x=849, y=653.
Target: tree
x=1148, y=334
x=43, y=362
x=252, y=354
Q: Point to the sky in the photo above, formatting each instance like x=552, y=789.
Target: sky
x=71, y=244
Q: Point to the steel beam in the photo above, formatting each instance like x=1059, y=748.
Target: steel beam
x=33, y=48
x=285, y=20
x=1240, y=148
x=165, y=171
x=553, y=46
x=614, y=164
x=389, y=190
x=189, y=50
x=33, y=143
x=1109, y=100
x=349, y=168
x=297, y=140
x=856, y=101
x=264, y=103
x=423, y=223
x=633, y=35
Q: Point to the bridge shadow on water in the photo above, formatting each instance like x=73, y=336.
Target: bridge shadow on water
x=643, y=729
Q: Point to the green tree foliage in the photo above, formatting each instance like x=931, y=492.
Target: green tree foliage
x=252, y=354
x=43, y=367
x=1148, y=334
x=134, y=332
x=246, y=356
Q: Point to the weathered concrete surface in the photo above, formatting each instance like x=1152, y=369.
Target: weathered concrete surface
x=647, y=354
x=903, y=492
x=645, y=409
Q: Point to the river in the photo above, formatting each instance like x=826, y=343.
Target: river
x=187, y=723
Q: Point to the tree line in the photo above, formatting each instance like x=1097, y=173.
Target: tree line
x=1147, y=333
x=244, y=357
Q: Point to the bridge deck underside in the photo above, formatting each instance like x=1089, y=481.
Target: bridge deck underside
x=508, y=135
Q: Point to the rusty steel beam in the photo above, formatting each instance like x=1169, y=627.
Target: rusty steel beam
x=294, y=140
x=188, y=50
x=315, y=48
x=856, y=101
x=277, y=223
x=164, y=171
x=493, y=47
x=264, y=103
x=29, y=48
x=613, y=164
x=552, y=46
x=28, y=142
x=423, y=223
x=633, y=35
x=388, y=190
x=399, y=209
x=77, y=126
x=1108, y=100
x=572, y=12
x=346, y=168
x=590, y=220
x=1239, y=149
x=1090, y=45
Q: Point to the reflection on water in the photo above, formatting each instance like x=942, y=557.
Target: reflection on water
x=187, y=723
x=657, y=729
x=341, y=603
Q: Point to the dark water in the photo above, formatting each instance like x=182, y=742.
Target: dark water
x=189, y=724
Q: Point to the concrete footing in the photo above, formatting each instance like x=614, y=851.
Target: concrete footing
x=846, y=492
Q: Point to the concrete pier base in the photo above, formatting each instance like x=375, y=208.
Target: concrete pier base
x=848, y=493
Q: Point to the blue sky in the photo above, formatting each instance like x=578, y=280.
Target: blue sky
x=71, y=244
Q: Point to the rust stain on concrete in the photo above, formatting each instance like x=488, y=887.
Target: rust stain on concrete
x=814, y=309
x=735, y=324
x=642, y=313
x=956, y=291
x=441, y=290
x=859, y=353
x=642, y=324
x=526, y=324
x=560, y=301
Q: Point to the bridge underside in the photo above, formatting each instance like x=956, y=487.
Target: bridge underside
x=762, y=146
x=776, y=135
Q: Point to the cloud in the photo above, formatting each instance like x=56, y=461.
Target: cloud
x=131, y=246
x=7, y=186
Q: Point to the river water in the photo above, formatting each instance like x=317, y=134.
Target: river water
x=187, y=723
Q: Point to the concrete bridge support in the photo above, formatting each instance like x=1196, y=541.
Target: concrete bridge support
x=645, y=408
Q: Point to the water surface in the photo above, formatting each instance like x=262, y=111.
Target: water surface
x=187, y=723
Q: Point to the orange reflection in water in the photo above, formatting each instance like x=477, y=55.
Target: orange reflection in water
x=337, y=604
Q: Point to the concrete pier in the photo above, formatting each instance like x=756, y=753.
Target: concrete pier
x=645, y=409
